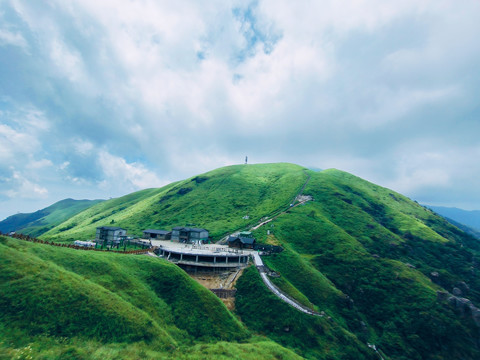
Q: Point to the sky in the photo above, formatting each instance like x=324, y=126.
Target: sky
x=102, y=98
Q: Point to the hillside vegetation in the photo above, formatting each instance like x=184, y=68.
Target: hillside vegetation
x=39, y=222
x=64, y=303
x=310, y=336
x=367, y=256
x=217, y=200
x=380, y=268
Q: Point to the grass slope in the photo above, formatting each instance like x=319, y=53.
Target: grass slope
x=62, y=303
x=217, y=200
x=312, y=337
x=369, y=258
x=39, y=222
x=365, y=255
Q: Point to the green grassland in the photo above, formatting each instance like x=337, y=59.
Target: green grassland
x=62, y=303
x=39, y=222
x=217, y=200
x=364, y=255
x=371, y=260
x=310, y=336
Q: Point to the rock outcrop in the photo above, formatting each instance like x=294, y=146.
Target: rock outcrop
x=461, y=304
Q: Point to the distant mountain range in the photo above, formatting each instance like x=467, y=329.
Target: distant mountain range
x=41, y=221
x=468, y=221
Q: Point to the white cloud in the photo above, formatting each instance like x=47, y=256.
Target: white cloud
x=13, y=38
x=309, y=21
x=198, y=161
x=447, y=167
x=82, y=147
x=132, y=175
x=68, y=61
x=21, y=187
x=21, y=131
x=16, y=145
x=186, y=87
x=39, y=164
x=393, y=105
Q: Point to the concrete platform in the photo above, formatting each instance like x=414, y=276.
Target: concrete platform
x=210, y=255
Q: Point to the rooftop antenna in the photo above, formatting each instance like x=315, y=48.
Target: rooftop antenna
x=246, y=160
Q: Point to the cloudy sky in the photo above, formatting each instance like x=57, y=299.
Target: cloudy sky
x=102, y=98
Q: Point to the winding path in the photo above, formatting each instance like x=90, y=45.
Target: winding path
x=261, y=268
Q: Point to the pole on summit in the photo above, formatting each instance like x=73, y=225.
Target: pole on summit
x=246, y=160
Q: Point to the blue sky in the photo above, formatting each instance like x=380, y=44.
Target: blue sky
x=102, y=98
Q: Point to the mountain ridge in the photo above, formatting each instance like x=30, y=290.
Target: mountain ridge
x=379, y=267
x=171, y=205
x=40, y=221
x=470, y=218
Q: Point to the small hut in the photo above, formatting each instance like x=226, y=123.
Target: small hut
x=241, y=242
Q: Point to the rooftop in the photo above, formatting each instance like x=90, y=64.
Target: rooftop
x=159, y=232
x=189, y=229
x=243, y=240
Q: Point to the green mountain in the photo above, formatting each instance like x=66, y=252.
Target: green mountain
x=59, y=303
x=383, y=266
x=217, y=200
x=381, y=269
x=40, y=221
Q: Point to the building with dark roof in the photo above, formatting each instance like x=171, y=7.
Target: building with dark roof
x=241, y=242
x=189, y=235
x=110, y=235
x=157, y=234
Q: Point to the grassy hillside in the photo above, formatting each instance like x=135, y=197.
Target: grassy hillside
x=38, y=222
x=380, y=267
x=217, y=200
x=312, y=337
x=63, y=303
x=366, y=255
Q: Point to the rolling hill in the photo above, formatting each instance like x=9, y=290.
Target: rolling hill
x=217, y=200
x=38, y=222
x=68, y=304
x=381, y=264
x=380, y=268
